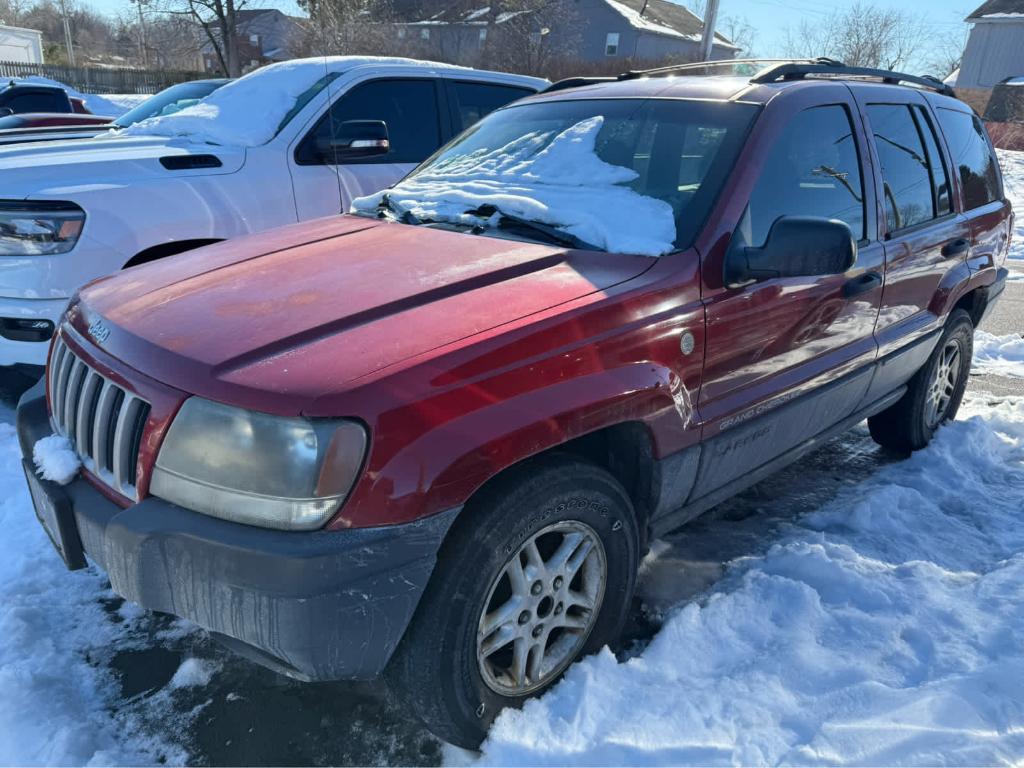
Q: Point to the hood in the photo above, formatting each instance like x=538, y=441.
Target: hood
x=274, y=321
x=61, y=168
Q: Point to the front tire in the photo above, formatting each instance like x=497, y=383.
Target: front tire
x=539, y=572
x=933, y=395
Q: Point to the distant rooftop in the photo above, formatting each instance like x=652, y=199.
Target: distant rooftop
x=998, y=9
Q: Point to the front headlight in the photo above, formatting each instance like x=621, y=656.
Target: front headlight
x=253, y=468
x=39, y=227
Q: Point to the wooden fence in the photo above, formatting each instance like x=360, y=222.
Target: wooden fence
x=100, y=80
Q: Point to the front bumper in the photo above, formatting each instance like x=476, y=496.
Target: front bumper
x=322, y=605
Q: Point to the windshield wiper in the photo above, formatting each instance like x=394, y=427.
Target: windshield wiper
x=551, y=234
x=404, y=215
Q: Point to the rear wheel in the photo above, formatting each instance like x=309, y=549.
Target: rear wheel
x=540, y=572
x=934, y=393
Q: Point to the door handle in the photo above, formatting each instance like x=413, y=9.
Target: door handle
x=861, y=284
x=957, y=247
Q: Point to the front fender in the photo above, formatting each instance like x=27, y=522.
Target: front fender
x=444, y=466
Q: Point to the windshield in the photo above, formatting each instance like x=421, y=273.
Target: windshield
x=624, y=175
x=169, y=101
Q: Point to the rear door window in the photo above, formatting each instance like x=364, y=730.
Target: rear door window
x=906, y=171
x=973, y=156
x=473, y=101
x=408, y=106
x=813, y=170
x=40, y=101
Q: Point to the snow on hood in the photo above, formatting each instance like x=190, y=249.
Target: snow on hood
x=558, y=181
x=248, y=112
x=95, y=104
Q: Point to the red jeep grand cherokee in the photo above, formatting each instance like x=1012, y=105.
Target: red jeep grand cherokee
x=436, y=437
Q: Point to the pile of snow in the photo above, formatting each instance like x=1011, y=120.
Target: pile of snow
x=1001, y=355
x=553, y=179
x=883, y=628
x=248, y=112
x=60, y=702
x=127, y=101
x=55, y=459
x=98, y=105
x=1012, y=164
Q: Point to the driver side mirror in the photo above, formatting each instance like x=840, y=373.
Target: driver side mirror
x=354, y=140
x=797, y=246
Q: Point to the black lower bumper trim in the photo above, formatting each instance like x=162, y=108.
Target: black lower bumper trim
x=319, y=605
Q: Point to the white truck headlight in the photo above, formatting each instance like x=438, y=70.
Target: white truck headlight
x=258, y=469
x=39, y=227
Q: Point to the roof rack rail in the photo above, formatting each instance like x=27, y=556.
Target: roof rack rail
x=800, y=70
x=576, y=82
x=757, y=65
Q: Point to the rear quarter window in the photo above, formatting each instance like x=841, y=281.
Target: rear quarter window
x=973, y=156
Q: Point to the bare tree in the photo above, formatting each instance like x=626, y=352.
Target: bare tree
x=344, y=27
x=946, y=53
x=741, y=32
x=218, y=19
x=863, y=36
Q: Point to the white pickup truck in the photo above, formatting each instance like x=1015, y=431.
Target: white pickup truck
x=287, y=143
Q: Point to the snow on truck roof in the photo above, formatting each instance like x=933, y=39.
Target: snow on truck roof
x=251, y=110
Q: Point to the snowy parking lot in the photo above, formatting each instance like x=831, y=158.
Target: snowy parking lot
x=856, y=608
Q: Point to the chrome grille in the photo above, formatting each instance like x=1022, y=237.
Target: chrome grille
x=103, y=421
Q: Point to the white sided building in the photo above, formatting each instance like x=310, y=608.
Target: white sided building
x=24, y=46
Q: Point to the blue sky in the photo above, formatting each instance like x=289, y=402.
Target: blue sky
x=770, y=18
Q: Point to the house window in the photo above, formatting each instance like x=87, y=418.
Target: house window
x=483, y=35
x=254, y=39
x=425, y=34
x=401, y=33
x=611, y=44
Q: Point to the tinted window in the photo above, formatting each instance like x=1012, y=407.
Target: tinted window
x=813, y=170
x=474, y=100
x=973, y=155
x=943, y=201
x=906, y=176
x=37, y=102
x=409, y=107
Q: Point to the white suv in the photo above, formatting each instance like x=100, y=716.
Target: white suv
x=287, y=143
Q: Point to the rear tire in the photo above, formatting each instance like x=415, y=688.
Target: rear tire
x=478, y=642
x=933, y=395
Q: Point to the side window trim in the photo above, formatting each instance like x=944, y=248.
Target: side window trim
x=890, y=234
x=440, y=102
x=852, y=115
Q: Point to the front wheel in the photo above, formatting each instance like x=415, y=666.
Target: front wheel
x=539, y=572
x=934, y=393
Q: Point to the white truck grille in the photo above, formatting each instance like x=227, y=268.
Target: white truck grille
x=103, y=421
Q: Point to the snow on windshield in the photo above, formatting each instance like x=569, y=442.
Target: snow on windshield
x=553, y=179
x=248, y=112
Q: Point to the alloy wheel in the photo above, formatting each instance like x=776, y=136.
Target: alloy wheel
x=541, y=608
x=943, y=384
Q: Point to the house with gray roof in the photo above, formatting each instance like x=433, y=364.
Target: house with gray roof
x=995, y=48
x=591, y=31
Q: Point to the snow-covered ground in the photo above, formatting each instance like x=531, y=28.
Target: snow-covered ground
x=882, y=628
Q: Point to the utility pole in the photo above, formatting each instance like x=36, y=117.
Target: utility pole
x=67, y=33
x=143, y=53
x=708, y=37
